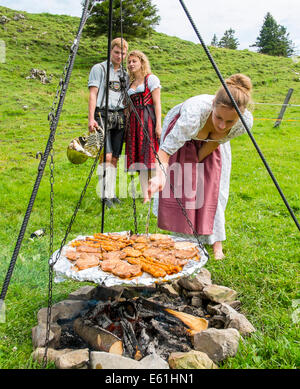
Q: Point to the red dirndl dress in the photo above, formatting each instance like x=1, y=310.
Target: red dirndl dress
x=139, y=149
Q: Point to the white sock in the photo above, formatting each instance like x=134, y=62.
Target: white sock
x=144, y=182
x=111, y=181
x=100, y=173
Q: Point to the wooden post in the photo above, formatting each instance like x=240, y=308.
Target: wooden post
x=283, y=108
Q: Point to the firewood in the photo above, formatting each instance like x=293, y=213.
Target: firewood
x=98, y=338
x=196, y=324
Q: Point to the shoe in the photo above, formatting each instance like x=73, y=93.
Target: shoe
x=108, y=203
x=116, y=200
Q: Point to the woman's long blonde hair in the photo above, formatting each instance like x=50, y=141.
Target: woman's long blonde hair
x=240, y=87
x=146, y=69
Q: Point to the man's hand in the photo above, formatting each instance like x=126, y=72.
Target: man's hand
x=93, y=125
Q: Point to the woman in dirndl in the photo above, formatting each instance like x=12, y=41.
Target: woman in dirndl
x=143, y=131
x=200, y=130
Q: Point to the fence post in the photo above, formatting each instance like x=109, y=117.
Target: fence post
x=283, y=108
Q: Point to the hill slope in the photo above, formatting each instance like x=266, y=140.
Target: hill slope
x=262, y=245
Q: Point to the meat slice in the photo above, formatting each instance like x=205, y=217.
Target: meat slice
x=71, y=255
x=184, y=245
x=131, y=252
x=152, y=252
x=109, y=264
x=157, y=237
x=113, y=255
x=186, y=254
x=86, y=261
x=140, y=246
x=163, y=244
x=126, y=270
x=88, y=249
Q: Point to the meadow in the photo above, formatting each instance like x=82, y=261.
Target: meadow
x=262, y=246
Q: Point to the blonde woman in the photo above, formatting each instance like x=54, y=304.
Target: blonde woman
x=144, y=92
x=200, y=130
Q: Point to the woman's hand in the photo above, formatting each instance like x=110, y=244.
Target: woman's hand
x=156, y=184
x=206, y=149
x=158, y=131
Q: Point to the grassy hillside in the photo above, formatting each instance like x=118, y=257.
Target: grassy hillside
x=262, y=245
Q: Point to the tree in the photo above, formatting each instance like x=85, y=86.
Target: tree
x=214, y=41
x=138, y=18
x=273, y=39
x=228, y=41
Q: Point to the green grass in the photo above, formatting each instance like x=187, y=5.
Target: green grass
x=262, y=246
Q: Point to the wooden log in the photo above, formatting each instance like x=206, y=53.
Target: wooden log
x=98, y=338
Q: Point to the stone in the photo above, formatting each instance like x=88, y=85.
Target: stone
x=219, y=293
x=214, y=309
x=191, y=360
x=18, y=17
x=105, y=293
x=69, y=309
x=198, y=282
x=217, y=321
x=103, y=360
x=85, y=293
x=76, y=359
x=176, y=286
x=39, y=335
x=42, y=315
x=237, y=320
x=52, y=354
x=218, y=344
x=235, y=305
x=196, y=301
x=169, y=290
x=4, y=19
x=153, y=361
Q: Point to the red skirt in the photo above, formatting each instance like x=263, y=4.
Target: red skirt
x=197, y=187
x=140, y=148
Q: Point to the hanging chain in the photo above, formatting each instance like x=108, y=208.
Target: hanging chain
x=50, y=269
x=52, y=118
x=123, y=98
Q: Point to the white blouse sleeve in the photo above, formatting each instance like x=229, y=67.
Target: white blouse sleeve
x=153, y=82
x=193, y=116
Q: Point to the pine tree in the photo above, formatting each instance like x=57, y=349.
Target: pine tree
x=228, y=41
x=214, y=41
x=138, y=18
x=273, y=39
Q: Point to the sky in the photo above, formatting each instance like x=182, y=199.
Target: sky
x=210, y=17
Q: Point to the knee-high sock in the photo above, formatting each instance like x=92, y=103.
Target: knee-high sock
x=100, y=174
x=110, y=180
x=144, y=182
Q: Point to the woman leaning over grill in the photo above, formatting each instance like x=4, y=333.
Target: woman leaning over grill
x=200, y=130
x=144, y=125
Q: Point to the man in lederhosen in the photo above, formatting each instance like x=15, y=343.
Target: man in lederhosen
x=116, y=119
